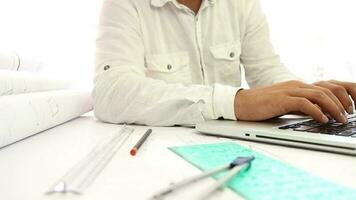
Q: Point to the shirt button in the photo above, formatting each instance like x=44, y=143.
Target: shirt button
x=169, y=67
x=106, y=67
x=232, y=54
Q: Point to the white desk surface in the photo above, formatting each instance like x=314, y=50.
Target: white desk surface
x=28, y=168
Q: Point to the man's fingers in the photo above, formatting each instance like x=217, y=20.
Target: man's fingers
x=299, y=104
x=341, y=92
x=324, y=101
x=337, y=93
x=350, y=87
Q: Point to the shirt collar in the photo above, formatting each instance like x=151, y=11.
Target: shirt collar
x=161, y=3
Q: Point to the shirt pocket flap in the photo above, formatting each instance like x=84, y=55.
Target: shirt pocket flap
x=167, y=63
x=229, y=51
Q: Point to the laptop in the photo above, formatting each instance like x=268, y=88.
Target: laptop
x=289, y=130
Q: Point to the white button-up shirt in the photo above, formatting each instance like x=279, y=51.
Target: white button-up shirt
x=159, y=63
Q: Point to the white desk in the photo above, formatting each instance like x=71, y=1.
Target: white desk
x=28, y=168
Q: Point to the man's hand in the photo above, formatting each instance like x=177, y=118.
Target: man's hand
x=318, y=100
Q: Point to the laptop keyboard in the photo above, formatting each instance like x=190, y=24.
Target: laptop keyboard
x=331, y=128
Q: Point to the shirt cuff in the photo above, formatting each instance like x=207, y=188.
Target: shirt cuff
x=224, y=100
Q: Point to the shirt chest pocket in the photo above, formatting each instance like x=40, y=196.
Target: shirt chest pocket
x=170, y=67
x=224, y=60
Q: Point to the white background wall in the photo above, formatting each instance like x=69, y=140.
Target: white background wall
x=316, y=38
x=61, y=33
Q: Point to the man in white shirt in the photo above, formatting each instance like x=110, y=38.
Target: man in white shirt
x=177, y=62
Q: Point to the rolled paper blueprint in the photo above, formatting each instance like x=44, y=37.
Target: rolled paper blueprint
x=24, y=115
x=19, y=62
x=13, y=82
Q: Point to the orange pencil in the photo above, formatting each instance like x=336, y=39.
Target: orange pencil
x=140, y=142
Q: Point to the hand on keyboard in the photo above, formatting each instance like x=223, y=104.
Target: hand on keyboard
x=316, y=100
